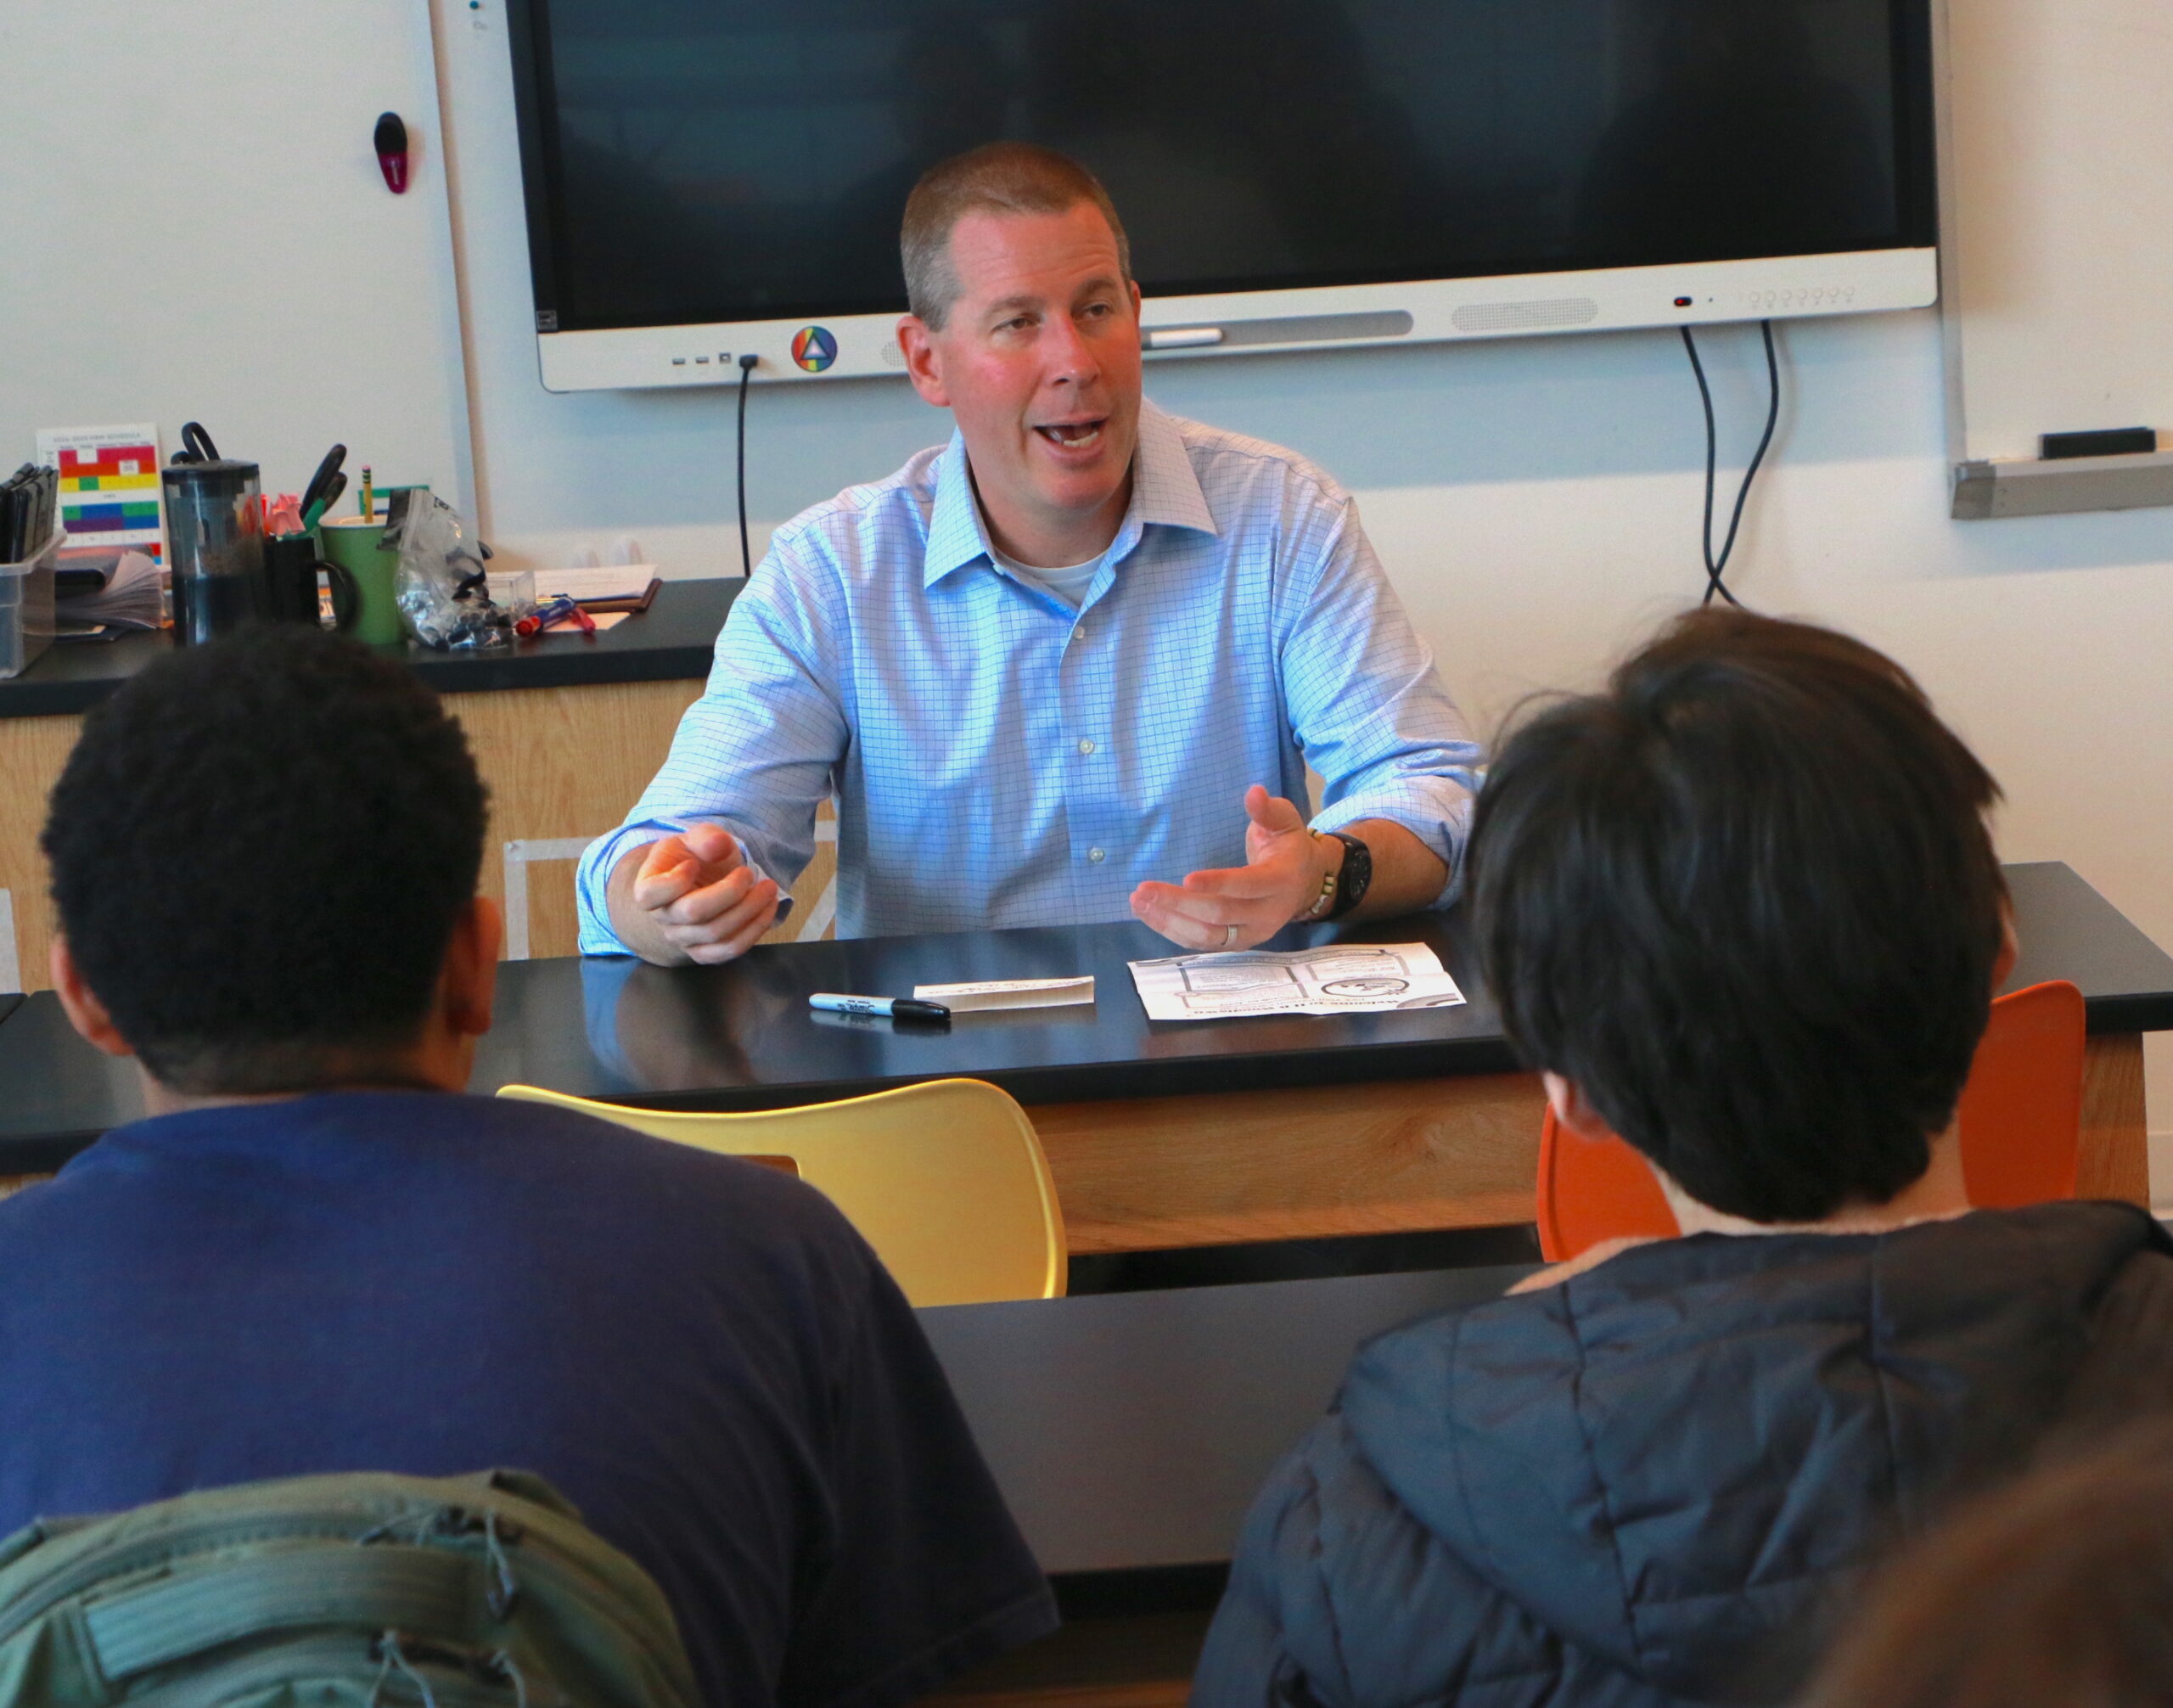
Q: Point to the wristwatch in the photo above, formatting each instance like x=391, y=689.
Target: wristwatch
x=1356, y=878
x=1345, y=891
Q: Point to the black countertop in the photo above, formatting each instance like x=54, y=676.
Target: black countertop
x=741, y=1036
x=669, y=641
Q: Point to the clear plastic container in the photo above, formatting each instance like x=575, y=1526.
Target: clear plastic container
x=26, y=626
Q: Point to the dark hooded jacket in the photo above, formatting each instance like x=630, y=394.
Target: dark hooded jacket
x=1652, y=1483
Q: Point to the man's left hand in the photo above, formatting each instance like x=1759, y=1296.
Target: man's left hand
x=1281, y=879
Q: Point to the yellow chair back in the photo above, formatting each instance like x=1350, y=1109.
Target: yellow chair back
x=945, y=1179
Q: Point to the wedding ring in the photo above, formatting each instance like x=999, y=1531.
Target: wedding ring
x=1230, y=937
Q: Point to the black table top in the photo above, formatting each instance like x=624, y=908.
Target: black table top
x=669, y=641
x=741, y=1037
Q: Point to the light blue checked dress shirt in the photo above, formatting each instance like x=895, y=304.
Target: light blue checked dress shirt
x=1000, y=759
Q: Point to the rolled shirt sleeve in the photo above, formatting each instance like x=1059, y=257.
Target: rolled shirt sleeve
x=1367, y=707
x=756, y=753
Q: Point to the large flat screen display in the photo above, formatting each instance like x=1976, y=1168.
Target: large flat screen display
x=711, y=177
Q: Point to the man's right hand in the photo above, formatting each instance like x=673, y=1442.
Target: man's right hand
x=691, y=898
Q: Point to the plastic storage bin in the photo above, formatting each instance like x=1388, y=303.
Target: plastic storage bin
x=26, y=626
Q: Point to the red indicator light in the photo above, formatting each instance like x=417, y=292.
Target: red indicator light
x=1682, y=302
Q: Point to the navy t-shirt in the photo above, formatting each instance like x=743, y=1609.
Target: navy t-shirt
x=700, y=1352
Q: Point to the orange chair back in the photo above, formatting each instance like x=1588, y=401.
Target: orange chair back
x=2020, y=1120
x=2021, y=1109
x=1592, y=1189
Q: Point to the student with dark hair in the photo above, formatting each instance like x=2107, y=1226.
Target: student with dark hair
x=2057, y=1590
x=1742, y=909
x=315, y=1256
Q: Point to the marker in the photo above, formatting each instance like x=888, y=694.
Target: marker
x=897, y=1008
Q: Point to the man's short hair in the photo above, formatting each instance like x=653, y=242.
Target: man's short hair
x=1746, y=901
x=259, y=849
x=998, y=177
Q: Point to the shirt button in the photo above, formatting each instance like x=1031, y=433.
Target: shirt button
x=1096, y=855
x=1086, y=744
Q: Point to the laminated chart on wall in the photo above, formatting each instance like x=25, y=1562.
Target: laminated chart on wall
x=1340, y=979
x=109, y=498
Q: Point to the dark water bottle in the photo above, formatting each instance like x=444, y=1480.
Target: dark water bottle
x=214, y=524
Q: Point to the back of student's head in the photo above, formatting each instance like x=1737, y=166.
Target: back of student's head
x=2057, y=1590
x=1745, y=900
x=260, y=849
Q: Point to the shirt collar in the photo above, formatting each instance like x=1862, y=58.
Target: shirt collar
x=1165, y=490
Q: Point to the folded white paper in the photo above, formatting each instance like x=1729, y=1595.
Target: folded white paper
x=1008, y=993
x=620, y=582
x=1341, y=978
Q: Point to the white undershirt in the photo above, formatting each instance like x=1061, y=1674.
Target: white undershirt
x=1069, y=584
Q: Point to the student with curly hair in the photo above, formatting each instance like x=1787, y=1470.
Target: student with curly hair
x=315, y=1254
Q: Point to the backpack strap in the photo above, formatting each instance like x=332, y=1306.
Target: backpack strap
x=432, y=1593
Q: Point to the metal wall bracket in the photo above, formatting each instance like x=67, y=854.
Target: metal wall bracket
x=1987, y=491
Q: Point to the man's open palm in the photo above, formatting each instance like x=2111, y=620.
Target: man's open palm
x=1281, y=879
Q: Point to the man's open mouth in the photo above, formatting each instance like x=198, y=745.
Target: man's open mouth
x=1072, y=435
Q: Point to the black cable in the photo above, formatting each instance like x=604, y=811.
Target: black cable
x=1714, y=565
x=746, y=559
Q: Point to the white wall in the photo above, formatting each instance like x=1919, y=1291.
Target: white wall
x=193, y=226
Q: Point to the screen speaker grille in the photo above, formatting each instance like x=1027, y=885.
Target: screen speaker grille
x=1525, y=317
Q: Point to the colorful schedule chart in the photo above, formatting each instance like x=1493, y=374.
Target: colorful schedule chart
x=108, y=486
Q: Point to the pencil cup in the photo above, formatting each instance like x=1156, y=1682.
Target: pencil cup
x=357, y=545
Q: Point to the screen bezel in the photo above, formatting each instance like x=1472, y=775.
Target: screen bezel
x=1916, y=230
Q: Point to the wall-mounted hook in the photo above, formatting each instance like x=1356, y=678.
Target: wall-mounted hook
x=392, y=152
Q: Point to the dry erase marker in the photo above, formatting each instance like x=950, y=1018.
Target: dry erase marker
x=897, y=1008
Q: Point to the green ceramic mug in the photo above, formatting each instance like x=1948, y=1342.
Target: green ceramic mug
x=357, y=544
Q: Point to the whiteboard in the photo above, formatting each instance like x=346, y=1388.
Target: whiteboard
x=2059, y=238
x=195, y=228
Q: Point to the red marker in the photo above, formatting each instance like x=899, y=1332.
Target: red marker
x=392, y=152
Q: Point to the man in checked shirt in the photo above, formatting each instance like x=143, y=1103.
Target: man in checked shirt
x=1071, y=666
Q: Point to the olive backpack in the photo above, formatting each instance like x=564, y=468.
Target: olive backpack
x=367, y=1590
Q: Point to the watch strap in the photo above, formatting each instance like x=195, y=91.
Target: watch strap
x=1354, y=877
